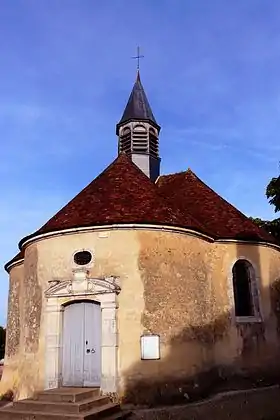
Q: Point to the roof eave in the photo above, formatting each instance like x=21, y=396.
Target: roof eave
x=214, y=237
x=12, y=263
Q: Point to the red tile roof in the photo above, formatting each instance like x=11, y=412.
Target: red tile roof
x=123, y=194
x=120, y=194
x=219, y=217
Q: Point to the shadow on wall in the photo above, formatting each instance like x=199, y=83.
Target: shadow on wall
x=275, y=303
x=191, y=367
x=157, y=386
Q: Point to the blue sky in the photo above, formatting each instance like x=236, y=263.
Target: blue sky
x=211, y=73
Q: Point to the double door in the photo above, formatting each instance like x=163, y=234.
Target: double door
x=81, y=364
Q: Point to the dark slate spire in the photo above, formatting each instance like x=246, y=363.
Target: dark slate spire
x=138, y=132
x=138, y=107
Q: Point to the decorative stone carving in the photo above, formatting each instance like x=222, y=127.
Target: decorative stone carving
x=103, y=290
x=81, y=285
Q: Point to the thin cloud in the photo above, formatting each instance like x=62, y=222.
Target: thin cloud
x=211, y=72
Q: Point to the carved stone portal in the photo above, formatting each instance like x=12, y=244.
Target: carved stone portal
x=61, y=292
x=81, y=284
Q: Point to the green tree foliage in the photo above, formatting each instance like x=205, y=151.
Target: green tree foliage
x=271, y=226
x=2, y=342
x=273, y=196
x=273, y=193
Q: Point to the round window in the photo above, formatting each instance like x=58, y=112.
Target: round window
x=82, y=257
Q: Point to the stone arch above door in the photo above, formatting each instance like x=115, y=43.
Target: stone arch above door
x=81, y=284
x=81, y=287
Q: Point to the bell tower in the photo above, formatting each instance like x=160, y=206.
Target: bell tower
x=138, y=132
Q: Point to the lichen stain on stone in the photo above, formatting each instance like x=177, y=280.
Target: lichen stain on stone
x=33, y=300
x=180, y=303
x=253, y=338
x=13, y=324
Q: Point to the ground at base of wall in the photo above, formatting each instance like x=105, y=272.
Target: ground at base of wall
x=256, y=404
x=165, y=391
x=3, y=403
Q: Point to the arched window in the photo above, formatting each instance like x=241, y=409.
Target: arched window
x=245, y=289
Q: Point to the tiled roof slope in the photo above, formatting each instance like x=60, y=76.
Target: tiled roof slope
x=123, y=194
x=219, y=217
x=120, y=194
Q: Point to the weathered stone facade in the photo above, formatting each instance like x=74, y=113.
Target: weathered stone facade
x=177, y=285
x=33, y=301
x=13, y=325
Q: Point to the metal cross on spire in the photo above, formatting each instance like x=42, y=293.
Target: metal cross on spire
x=137, y=57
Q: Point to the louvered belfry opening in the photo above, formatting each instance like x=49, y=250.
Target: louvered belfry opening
x=125, y=141
x=153, y=143
x=138, y=132
x=140, y=139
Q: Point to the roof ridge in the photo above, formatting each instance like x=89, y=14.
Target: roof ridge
x=219, y=216
x=121, y=194
x=122, y=156
x=247, y=218
x=177, y=173
x=177, y=209
x=220, y=197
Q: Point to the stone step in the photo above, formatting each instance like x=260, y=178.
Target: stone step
x=119, y=415
x=60, y=407
x=109, y=411
x=70, y=395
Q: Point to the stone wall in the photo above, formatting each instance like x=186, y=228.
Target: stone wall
x=14, y=334
x=14, y=301
x=24, y=359
x=189, y=303
x=172, y=284
x=115, y=254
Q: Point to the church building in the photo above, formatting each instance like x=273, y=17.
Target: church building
x=142, y=284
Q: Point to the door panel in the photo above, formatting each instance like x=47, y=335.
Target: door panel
x=73, y=350
x=81, y=365
x=92, y=345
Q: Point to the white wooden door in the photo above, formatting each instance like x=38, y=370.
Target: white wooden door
x=73, y=351
x=92, y=354
x=82, y=345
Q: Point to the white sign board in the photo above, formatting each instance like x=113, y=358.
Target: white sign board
x=150, y=347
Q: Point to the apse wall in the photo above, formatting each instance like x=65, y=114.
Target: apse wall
x=175, y=285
